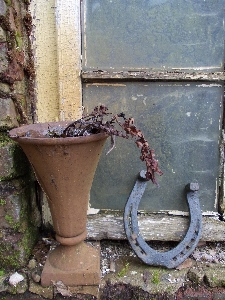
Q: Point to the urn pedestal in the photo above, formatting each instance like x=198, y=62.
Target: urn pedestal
x=65, y=169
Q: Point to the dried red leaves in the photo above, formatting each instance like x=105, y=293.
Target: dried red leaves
x=147, y=154
x=95, y=123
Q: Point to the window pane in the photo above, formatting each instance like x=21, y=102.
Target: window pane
x=181, y=121
x=156, y=34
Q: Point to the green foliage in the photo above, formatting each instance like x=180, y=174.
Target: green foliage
x=9, y=219
x=2, y=202
x=123, y=272
x=155, y=277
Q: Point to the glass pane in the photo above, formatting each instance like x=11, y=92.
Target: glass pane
x=156, y=34
x=181, y=122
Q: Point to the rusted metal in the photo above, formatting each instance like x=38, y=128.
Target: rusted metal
x=175, y=256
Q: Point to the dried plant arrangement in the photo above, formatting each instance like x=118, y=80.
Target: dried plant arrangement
x=100, y=120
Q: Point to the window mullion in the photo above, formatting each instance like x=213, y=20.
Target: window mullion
x=99, y=75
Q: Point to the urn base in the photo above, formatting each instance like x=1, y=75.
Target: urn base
x=75, y=265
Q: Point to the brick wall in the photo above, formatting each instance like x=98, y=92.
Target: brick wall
x=19, y=215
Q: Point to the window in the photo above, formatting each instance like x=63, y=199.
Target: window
x=161, y=62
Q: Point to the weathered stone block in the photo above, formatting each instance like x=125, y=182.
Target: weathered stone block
x=15, y=248
x=2, y=35
x=13, y=162
x=19, y=287
x=3, y=57
x=19, y=221
x=18, y=209
x=11, y=19
x=12, y=210
x=215, y=277
x=4, y=87
x=3, y=283
x=46, y=292
x=3, y=8
x=220, y=295
x=196, y=274
x=19, y=215
x=8, y=117
x=20, y=90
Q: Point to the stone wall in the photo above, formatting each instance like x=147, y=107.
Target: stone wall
x=19, y=215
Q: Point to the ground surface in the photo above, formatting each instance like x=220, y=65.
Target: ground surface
x=124, y=276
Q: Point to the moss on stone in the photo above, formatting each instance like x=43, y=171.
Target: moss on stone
x=15, y=256
x=30, y=238
x=17, y=241
x=20, y=205
x=19, y=40
x=9, y=259
x=155, y=277
x=2, y=272
x=4, y=139
x=9, y=219
x=8, y=2
x=214, y=276
x=124, y=270
x=15, y=161
x=2, y=202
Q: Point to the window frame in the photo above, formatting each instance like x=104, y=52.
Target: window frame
x=67, y=92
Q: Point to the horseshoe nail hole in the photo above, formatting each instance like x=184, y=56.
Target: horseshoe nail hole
x=175, y=258
x=143, y=252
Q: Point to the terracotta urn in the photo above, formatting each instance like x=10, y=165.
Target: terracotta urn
x=65, y=168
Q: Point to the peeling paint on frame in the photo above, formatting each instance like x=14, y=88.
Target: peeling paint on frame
x=45, y=53
x=56, y=42
x=69, y=58
x=106, y=84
